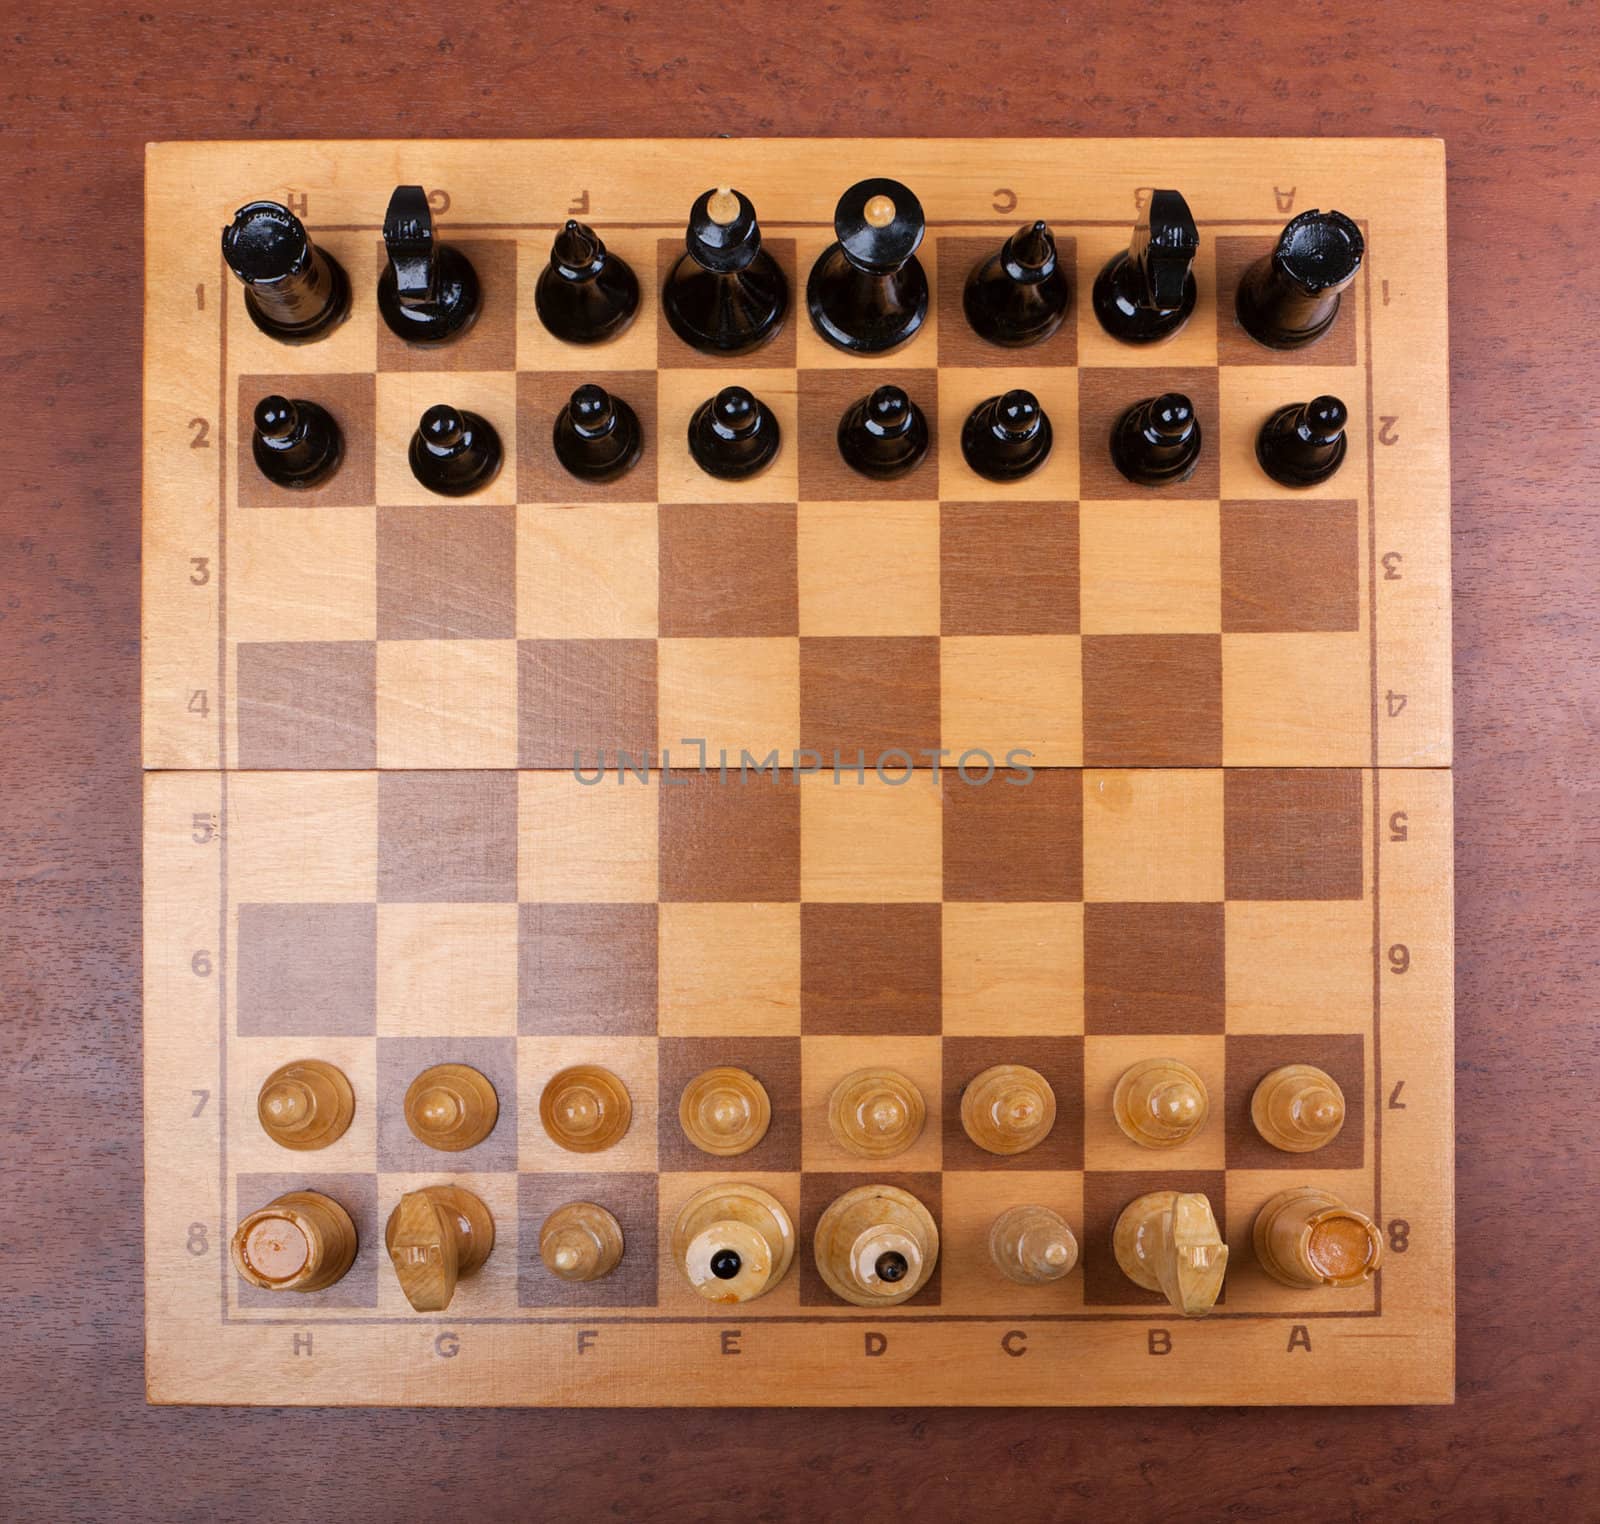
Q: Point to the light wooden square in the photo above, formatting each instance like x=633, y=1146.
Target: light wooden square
x=1106, y=1146
x=1299, y=966
x=302, y=837
x=727, y=969
x=589, y=572
x=972, y=1199
x=869, y=568
x=1302, y=696
x=824, y=1061
x=1250, y=394
x=676, y=1297
x=302, y=574
x=870, y=841
x=585, y=842
x=813, y=352
x=680, y=392
x=1194, y=344
x=633, y=349
x=1004, y=693
x=1250, y=1288
x=1013, y=970
x=491, y=1291
x=447, y=970
x=405, y=395
x=351, y=348
x=960, y=391
x=252, y=1152
x=1152, y=834
x=631, y=1059
x=1150, y=568
x=447, y=703
x=734, y=694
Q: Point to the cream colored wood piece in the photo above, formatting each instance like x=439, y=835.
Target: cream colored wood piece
x=734, y=1242
x=876, y=1246
x=1008, y=1109
x=306, y=1105
x=451, y=1107
x=436, y=1237
x=580, y=1241
x=585, y=1109
x=1032, y=1245
x=301, y=1241
x=1307, y=1237
x=724, y=1111
x=1298, y=1108
x=1160, y=1103
x=876, y=1113
x=1168, y=1241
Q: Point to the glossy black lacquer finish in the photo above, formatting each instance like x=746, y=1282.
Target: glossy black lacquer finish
x=586, y=294
x=1007, y=437
x=296, y=444
x=883, y=435
x=733, y=435
x=725, y=294
x=1289, y=298
x=428, y=291
x=1147, y=293
x=454, y=452
x=1157, y=441
x=1020, y=293
x=597, y=436
x=292, y=290
x=1304, y=443
x=868, y=292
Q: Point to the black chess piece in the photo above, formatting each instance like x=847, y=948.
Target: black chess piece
x=1290, y=297
x=295, y=443
x=725, y=294
x=1304, y=443
x=1006, y=437
x=1148, y=292
x=1157, y=441
x=586, y=294
x=293, y=290
x=597, y=436
x=428, y=291
x=868, y=292
x=454, y=452
x=883, y=435
x=733, y=435
x=1020, y=293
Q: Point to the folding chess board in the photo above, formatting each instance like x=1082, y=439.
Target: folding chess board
x=800, y=775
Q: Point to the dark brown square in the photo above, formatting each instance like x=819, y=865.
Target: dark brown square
x=1106, y=392
x=869, y=969
x=541, y=478
x=353, y=402
x=1251, y=1059
x=1152, y=700
x=729, y=569
x=1292, y=833
x=1235, y=347
x=402, y=1059
x=824, y=476
x=1290, y=566
x=775, y=1061
x=819, y=1190
x=1154, y=968
x=1105, y=1194
x=307, y=970
x=491, y=342
x=1058, y=1059
x=874, y=694
x=630, y=1198
x=586, y=969
x=673, y=354
x=732, y=841
x=1014, y=842
x=358, y=1195
x=1008, y=568
x=308, y=703
x=959, y=345
x=447, y=837
x=579, y=700
x=447, y=573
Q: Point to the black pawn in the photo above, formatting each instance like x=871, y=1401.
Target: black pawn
x=1019, y=294
x=428, y=291
x=725, y=294
x=733, y=435
x=1006, y=437
x=868, y=292
x=1148, y=292
x=597, y=436
x=296, y=444
x=883, y=435
x=454, y=452
x=292, y=290
x=1290, y=297
x=585, y=294
x=1157, y=441
x=1303, y=444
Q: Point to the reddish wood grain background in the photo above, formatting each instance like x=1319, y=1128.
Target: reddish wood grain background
x=1512, y=89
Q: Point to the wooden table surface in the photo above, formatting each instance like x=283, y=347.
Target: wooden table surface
x=1513, y=91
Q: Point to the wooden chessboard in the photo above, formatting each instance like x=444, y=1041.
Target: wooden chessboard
x=366, y=842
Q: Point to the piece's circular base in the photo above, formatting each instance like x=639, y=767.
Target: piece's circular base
x=585, y=1109
x=1126, y=440
x=704, y=444
x=1040, y=309
x=894, y=458
x=580, y=1241
x=1286, y=473
x=447, y=476
x=599, y=460
x=1281, y=1092
x=1128, y=322
x=1145, y=1129
x=829, y=286
x=745, y=1219
x=694, y=298
x=336, y=310
x=448, y=316
x=1256, y=320
x=590, y=311
x=451, y=1107
x=305, y=474
x=1132, y=1237
x=305, y=1105
x=873, y=1225
x=876, y=1113
x=1008, y=1109
x=724, y=1111
x=1009, y=470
